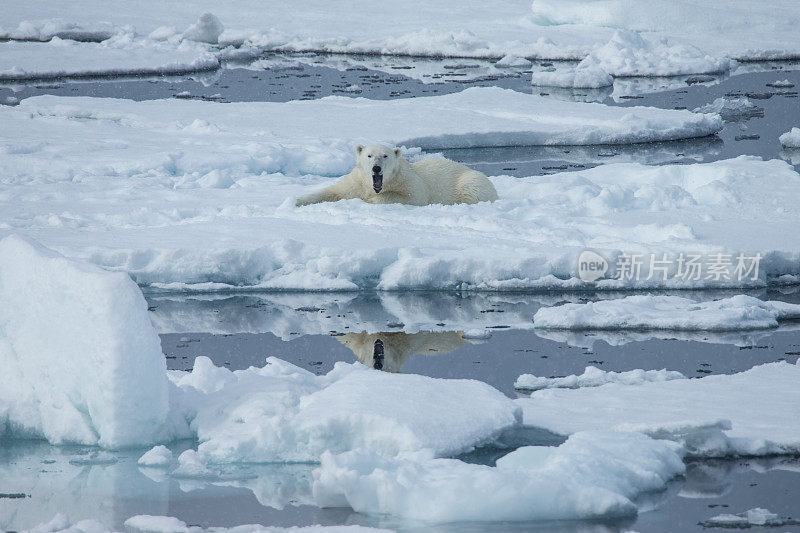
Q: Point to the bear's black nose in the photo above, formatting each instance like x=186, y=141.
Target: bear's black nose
x=376, y=169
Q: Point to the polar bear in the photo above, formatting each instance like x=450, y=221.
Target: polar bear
x=383, y=176
x=389, y=351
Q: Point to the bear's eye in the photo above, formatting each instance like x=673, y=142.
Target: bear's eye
x=385, y=156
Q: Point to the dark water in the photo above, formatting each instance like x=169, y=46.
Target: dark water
x=313, y=330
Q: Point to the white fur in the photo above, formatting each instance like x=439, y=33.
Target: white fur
x=430, y=181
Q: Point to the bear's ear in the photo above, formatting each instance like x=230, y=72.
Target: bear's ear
x=359, y=148
x=397, y=152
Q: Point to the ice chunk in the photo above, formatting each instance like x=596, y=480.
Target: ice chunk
x=631, y=54
x=81, y=361
x=594, y=377
x=283, y=413
x=158, y=456
x=791, y=139
x=512, y=61
x=591, y=475
x=732, y=109
x=749, y=413
x=668, y=312
x=207, y=29
x=584, y=76
x=749, y=518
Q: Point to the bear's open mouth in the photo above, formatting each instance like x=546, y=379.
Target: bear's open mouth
x=377, y=182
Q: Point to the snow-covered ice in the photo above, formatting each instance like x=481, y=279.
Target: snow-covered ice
x=732, y=108
x=748, y=413
x=791, y=139
x=739, y=312
x=592, y=475
x=631, y=54
x=61, y=523
x=584, y=76
x=81, y=361
x=752, y=517
x=284, y=413
x=540, y=29
x=158, y=456
x=122, y=54
x=595, y=377
x=154, y=168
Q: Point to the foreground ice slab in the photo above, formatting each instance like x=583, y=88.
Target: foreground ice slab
x=81, y=362
x=668, y=312
x=284, y=413
x=120, y=55
x=749, y=413
x=592, y=475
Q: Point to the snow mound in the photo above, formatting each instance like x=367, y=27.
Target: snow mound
x=81, y=361
x=595, y=377
x=629, y=53
x=207, y=29
x=791, y=139
x=584, y=76
x=750, y=413
x=158, y=456
x=121, y=55
x=668, y=312
x=512, y=61
x=591, y=475
x=284, y=413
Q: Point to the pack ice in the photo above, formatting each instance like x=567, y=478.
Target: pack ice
x=748, y=413
x=667, y=312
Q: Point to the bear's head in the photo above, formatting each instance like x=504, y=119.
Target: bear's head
x=379, y=162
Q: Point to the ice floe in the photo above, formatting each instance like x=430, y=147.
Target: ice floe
x=748, y=413
x=81, y=361
x=595, y=377
x=284, y=413
x=732, y=109
x=791, y=139
x=158, y=456
x=121, y=55
x=592, y=475
x=584, y=76
x=668, y=312
x=750, y=518
x=539, y=29
x=61, y=523
x=161, y=169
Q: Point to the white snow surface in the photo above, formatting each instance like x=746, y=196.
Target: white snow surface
x=631, y=54
x=81, y=361
x=791, y=139
x=200, y=193
x=739, y=312
x=592, y=475
x=282, y=413
x=542, y=28
x=595, y=377
x=158, y=456
x=61, y=523
x=122, y=54
x=748, y=413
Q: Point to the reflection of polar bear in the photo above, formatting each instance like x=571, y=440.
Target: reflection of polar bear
x=389, y=351
x=383, y=176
